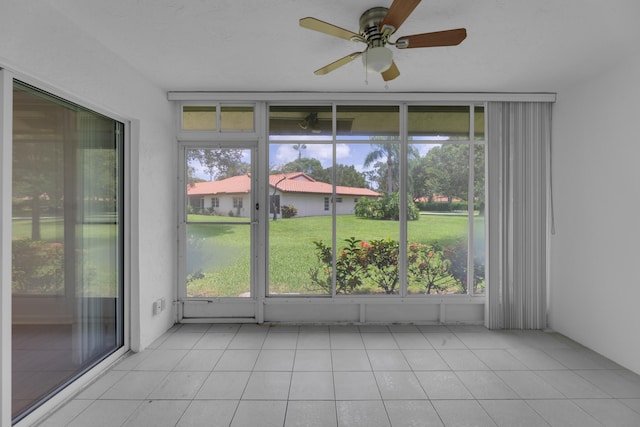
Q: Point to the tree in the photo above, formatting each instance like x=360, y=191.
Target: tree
x=448, y=170
x=217, y=163
x=390, y=153
x=348, y=176
x=311, y=167
x=38, y=178
x=421, y=179
x=390, y=167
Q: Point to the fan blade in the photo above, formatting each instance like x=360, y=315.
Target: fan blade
x=398, y=13
x=324, y=27
x=337, y=64
x=438, y=38
x=391, y=73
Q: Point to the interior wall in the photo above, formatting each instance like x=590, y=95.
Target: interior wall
x=594, y=283
x=39, y=42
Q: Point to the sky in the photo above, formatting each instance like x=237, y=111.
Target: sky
x=346, y=153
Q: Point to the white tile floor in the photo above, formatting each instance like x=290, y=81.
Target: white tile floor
x=396, y=375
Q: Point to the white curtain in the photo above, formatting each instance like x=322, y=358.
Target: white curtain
x=519, y=140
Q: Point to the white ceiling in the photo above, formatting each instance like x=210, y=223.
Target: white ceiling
x=257, y=45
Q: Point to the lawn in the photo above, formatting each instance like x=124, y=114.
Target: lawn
x=218, y=257
x=99, y=255
x=219, y=265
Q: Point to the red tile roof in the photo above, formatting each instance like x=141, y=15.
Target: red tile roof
x=233, y=185
x=295, y=182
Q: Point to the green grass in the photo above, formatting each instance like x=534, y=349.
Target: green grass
x=99, y=251
x=225, y=266
x=218, y=254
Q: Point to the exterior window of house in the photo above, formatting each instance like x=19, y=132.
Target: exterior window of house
x=197, y=204
x=338, y=199
x=215, y=203
x=237, y=202
x=355, y=200
x=326, y=203
x=274, y=204
x=67, y=243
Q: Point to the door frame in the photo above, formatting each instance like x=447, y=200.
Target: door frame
x=219, y=309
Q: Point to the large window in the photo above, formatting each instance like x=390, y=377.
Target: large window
x=359, y=179
x=67, y=243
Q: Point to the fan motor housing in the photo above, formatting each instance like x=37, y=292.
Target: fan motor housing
x=370, y=26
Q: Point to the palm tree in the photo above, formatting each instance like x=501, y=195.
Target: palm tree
x=390, y=152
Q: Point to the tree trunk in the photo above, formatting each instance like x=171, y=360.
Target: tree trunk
x=35, y=218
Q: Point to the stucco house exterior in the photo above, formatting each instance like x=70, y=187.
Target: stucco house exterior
x=231, y=196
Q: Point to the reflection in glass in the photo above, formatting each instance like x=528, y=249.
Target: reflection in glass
x=309, y=123
x=478, y=123
x=368, y=122
x=438, y=122
x=67, y=244
x=479, y=238
x=218, y=260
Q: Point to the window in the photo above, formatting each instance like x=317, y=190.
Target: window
x=446, y=188
x=67, y=243
x=236, y=118
x=237, y=202
x=215, y=203
x=427, y=185
x=199, y=117
x=205, y=118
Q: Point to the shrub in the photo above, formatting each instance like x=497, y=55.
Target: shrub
x=37, y=267
x=442, y=206
x=362, y=267
x=429, y=268
x=387, y=207
x=288, y=211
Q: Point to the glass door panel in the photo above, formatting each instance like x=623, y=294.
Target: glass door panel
x=67, y=244
x=437, y=255
x=219, y=223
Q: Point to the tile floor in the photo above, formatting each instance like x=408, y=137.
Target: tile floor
x=395, y=375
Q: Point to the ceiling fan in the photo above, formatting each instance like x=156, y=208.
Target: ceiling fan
x=376, y=26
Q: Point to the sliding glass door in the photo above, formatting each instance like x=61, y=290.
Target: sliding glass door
x=67, y=243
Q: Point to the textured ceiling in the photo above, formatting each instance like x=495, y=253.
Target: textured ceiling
x=251, y=45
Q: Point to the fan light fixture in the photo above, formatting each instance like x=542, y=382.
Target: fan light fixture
x=377, y=59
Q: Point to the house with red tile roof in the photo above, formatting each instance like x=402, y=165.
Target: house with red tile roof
x=231, y=196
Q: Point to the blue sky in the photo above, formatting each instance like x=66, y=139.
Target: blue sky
x=346, y=153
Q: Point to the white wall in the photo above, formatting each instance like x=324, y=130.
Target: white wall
x=40, y=43
x=595, y=253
